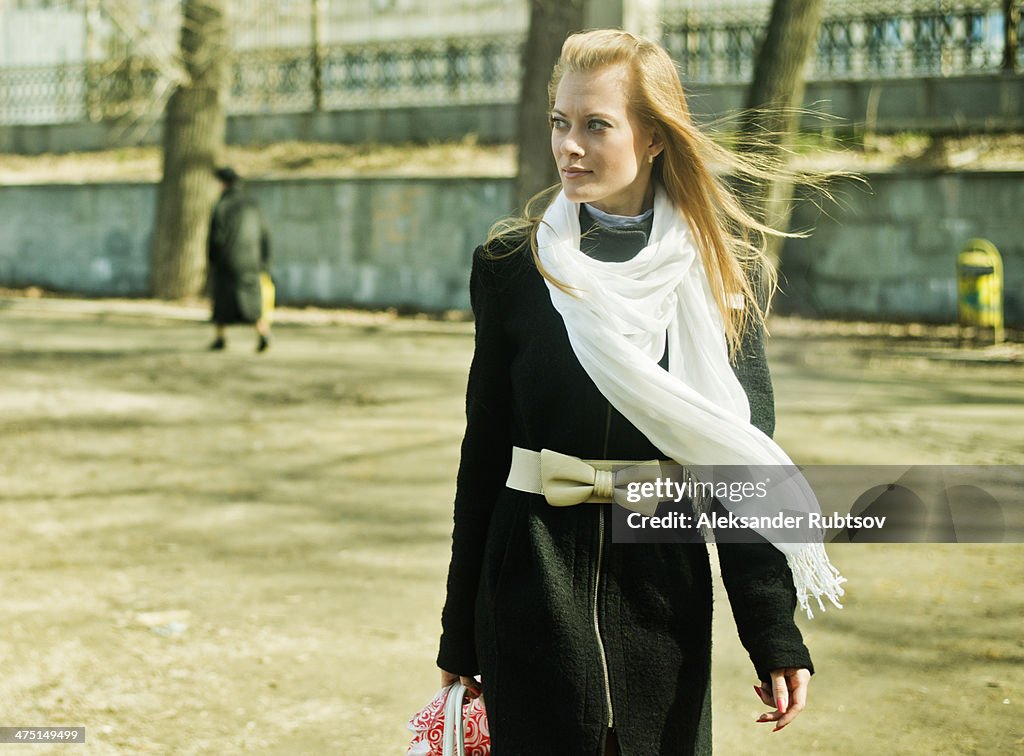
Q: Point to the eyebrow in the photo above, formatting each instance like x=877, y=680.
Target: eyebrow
x=556, y=111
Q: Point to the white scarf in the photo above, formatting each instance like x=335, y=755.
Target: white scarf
x=619, y=317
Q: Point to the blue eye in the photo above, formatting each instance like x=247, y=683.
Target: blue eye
x=596, y=125
x=556, y=123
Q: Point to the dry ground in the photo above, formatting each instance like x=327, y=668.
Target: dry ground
x=222, y=553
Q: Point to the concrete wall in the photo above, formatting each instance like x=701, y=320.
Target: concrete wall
x=91, y=239
x=374, y=243
x=493, y=123
x=887, y=252
x=936, y=105
x=983, y=102
x=380, y=242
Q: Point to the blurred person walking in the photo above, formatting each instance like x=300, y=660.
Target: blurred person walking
x=617, y=320
x=239, y=259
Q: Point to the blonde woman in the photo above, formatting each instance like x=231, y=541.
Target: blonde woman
x=622, y=324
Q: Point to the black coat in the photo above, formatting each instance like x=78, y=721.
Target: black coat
x=556, y=617
x=238, y=247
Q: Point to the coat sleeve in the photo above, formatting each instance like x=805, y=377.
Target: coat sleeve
x=483, y=469
x=264, y=244
x=211, y=238
x=756, y=575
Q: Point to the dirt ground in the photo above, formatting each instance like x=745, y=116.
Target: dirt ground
x=221, y=553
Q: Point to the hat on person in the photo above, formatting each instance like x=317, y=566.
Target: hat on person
x=227, y=174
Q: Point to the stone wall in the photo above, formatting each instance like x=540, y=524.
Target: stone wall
x=368, y=242
x=887, y=251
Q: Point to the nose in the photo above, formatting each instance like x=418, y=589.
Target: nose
x=571, y=146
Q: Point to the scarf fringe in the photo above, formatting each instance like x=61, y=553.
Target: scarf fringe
x=814, y=575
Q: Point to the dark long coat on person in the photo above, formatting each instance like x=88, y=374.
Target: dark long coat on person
x=570, y=631
x=239, y=250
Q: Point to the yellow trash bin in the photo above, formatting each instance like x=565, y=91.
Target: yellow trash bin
x=979, y=275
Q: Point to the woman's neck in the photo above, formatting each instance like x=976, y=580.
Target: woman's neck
x=610, y=220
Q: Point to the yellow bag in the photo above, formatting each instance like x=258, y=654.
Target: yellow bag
x=267, y=295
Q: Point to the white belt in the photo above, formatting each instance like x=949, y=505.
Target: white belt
x=565, y=480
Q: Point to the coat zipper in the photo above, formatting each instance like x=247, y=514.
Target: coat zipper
x=597, y=626
x=597, y=584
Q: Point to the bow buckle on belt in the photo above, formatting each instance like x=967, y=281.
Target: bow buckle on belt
x=567, y=481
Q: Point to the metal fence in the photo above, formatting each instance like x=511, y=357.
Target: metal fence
x=714, y=41
x=717, y=42
x=478, y=70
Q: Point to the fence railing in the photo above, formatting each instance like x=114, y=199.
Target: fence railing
x=712, y=44
x=43, y=94
x=856, y=41
x=478, y=70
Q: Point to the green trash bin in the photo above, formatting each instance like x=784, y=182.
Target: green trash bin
x=979, y=275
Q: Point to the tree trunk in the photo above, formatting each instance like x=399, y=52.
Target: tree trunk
x=775, y=93
x=194, y=125
x=1011, y=23
x=551, y=21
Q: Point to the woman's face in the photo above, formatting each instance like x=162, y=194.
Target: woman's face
x=601, y=150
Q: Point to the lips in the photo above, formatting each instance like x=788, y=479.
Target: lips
x=574, y=171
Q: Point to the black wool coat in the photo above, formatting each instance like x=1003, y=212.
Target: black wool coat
x=238, y=247
x=570, y=632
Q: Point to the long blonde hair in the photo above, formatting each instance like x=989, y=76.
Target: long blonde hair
x=731, y=242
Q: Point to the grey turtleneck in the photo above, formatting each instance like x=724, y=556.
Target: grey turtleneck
x=613, y=243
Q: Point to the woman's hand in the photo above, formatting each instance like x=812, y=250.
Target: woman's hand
x=786, y=694
x=474, y=688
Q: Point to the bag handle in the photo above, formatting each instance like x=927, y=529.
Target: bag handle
x=453, y=742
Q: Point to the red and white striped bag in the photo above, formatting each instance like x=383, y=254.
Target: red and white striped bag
x=451, y=726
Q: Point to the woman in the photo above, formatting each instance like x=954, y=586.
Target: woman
x=238, y=252
x=618, y=295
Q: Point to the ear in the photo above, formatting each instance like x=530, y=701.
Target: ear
x=656, y=146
